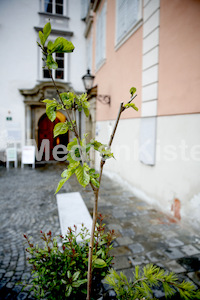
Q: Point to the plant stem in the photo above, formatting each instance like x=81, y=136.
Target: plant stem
x=95, y=208
x=55, y=86
x=91, y=246
x=68, y=115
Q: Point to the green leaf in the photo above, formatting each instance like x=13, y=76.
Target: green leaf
x=47, y=30
x=42, y=38
x=67, y=99
x=51, y=111
x=127, y=105
x=69, y=274
x=91, y=171
x=49, y=101
x=71, y=169
x=99, y=263
x=79, y=282
x=69, y=290
x=60, y=184
x=76, y=275
x=60, y=128
x=71, y=144
x=86, y=111
x=96, y=144
x=86, y=106
x=51, y=63
x=106, y=153
x=82, y=176
x=94, y=182
x=61, y=45
x=70, y=159
x=86, y=167
x=49, y=46
x=132, y=91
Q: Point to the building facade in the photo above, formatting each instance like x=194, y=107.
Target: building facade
x=153, y=45
x=23, y=80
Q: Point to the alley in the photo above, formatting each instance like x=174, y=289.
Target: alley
x=28, y=205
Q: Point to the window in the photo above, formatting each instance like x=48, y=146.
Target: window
x=101, y=37
x=84, y=8
x=128, y=13
x=53, y=6
x=59, y=73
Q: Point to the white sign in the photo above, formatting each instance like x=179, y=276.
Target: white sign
x=28, y=155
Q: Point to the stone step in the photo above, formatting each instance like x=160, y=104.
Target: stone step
x=73, y=211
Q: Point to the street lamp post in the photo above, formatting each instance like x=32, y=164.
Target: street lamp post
x=88, y=80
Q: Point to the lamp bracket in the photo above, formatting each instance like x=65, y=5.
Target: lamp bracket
x=104, y=99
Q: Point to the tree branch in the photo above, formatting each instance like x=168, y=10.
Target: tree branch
x=96, y=192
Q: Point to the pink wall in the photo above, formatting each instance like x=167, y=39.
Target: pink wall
x=122, y=70
x=179, y=61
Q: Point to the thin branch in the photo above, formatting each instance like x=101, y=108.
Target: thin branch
x=55, y=86
x=89, y=283
x=121, y=109
x=91, y=246
x=133, y=97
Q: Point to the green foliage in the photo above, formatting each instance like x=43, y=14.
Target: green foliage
x=60, y=128
x=51, y=111
x=83, y=172
x=82, y=175
x=127, y=105
x=132, y=91
x=51, y=63
x=143, y=282
x=61, y=45
x=46, y=32
x=104, y=150
x=82, y=103
x=60, y=272
x=68, y=99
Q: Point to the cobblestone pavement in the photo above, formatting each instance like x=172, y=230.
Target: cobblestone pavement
x=28, y=205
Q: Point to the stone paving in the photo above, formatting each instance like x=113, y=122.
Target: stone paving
x=28, y=205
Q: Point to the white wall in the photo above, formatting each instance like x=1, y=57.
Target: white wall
x=19, y=57
x=18, y=54
x=78, y=66
x=176, y=171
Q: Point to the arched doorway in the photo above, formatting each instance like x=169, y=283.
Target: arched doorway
x=45, y=132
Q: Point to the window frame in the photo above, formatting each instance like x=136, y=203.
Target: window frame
x=129, y=29
x=100, y=54
x=54, y=8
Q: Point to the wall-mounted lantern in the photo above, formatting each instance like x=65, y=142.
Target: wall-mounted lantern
x=88, y=81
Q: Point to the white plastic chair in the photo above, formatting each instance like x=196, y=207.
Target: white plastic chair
x=11, y=155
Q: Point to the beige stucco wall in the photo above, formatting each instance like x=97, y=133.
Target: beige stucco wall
x=179, y=57
x=176, y=172
x=121, y=71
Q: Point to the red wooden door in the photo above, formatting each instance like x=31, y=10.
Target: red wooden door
x=45, y=131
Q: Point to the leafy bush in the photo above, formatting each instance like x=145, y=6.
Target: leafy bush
x=143, y=282
x=60, y=265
